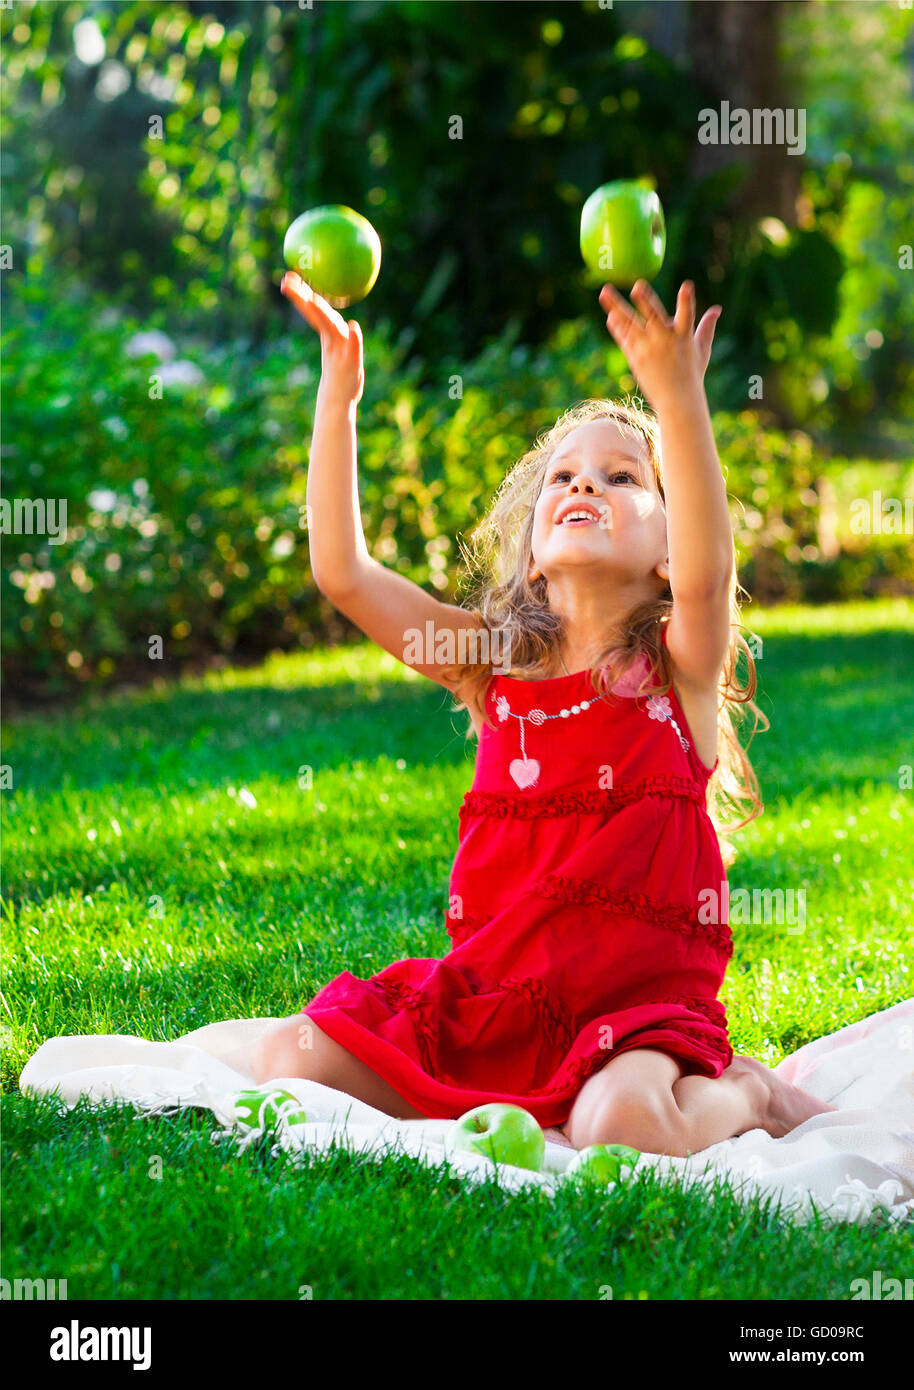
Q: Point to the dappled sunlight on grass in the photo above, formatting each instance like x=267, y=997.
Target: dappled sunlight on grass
x=169, y=863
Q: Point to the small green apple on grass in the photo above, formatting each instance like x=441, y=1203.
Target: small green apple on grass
x=502, y=1133
x=602, y=1163
x=623, y=233
x=266, y=1109
x=336, y=251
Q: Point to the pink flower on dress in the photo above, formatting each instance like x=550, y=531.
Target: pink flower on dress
x=659, y=707
x=502, y=708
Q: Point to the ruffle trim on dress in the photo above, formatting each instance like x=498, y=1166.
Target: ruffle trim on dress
x=712, y=1009
x=397, y=996
x=677, y=917
x=583, y=1068
x=558, y=1023
x=460, y=929
x=500, y=804
x=586, y=1066
x=718, y=1045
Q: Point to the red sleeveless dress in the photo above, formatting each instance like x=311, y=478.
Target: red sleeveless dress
x=576, y=924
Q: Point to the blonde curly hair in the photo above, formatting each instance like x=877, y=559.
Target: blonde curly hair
x=501, y=597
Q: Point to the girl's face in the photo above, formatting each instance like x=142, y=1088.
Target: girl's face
x=598, y=469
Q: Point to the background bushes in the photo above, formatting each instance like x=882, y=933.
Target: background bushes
x=184, y=481
x=153, y=156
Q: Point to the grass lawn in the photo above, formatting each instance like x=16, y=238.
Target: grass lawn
x=144, y=896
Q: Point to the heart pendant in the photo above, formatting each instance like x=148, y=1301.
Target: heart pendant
x=525, y=772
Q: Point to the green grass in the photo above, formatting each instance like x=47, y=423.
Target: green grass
x=143, y=896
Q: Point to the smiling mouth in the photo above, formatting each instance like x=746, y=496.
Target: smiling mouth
x=582, y=518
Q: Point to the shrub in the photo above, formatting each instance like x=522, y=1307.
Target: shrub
x=185, y=489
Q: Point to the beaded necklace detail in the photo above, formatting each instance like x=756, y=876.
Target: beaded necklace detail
x=525, y=771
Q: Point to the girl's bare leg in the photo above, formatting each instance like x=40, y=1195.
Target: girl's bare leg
x=298, y=1047
x=641, y=1098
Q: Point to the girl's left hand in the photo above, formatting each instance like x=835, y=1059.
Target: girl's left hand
x=666, y=358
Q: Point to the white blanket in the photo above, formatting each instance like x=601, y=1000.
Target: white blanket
x=853, y=1164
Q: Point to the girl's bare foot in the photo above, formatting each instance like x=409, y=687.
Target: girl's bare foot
x=782, y=1106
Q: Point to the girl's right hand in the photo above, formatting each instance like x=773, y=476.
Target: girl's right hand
x=342, y=363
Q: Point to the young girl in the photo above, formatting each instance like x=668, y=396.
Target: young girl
x=587, y=907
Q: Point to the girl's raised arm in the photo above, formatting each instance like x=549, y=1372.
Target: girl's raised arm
x=384, y=604
x=669, y=362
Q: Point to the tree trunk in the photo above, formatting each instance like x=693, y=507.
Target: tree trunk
x=733, y=47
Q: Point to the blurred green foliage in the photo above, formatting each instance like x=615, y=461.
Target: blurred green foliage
x=165, y=166
x=186, y=500
x=152, y=158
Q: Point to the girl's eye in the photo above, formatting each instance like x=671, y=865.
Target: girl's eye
x=564, y=473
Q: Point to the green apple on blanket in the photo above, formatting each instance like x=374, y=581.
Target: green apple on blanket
x=266, y=1110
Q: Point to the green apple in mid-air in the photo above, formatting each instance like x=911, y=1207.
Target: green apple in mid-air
x=336, y=251
x=602, y=1163
x=623, y=233
x=502, y=1133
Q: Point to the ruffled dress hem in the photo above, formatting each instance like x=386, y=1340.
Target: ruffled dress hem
x=701, y=1045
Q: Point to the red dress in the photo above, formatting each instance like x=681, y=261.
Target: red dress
x=575, y=919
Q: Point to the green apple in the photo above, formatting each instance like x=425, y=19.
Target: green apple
x=336, y=251
x=623, y=233
x=502, y=1133
x=263, y=1110
x=602, y=1163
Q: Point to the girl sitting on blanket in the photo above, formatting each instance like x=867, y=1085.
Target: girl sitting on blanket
x=587, y=910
